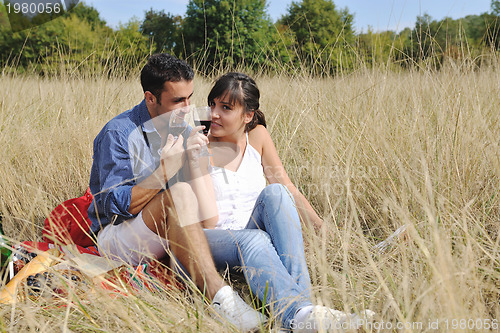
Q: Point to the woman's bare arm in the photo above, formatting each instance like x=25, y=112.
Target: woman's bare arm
x=275, y=173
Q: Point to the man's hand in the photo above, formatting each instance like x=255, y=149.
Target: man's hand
x=172, y=156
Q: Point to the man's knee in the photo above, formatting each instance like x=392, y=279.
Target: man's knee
x=182, y=196
x=184, y=203
x=179, y=196
x=170, y=205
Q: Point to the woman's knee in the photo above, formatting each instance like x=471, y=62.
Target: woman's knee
x=277, y=192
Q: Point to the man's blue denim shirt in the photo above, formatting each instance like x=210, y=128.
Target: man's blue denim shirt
x=126, y=151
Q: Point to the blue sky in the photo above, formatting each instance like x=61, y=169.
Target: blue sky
x=379, y=14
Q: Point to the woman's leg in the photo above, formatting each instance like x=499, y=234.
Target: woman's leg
x=275, y=212
x=253, y=251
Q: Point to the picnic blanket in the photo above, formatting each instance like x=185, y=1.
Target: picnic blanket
x=76, y=270
x=67, y=233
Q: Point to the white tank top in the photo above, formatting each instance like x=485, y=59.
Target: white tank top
x=236, y=191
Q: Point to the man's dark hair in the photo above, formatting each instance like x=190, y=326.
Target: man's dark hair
x=160, y=68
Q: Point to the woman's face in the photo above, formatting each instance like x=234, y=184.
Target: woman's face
x=228, y=119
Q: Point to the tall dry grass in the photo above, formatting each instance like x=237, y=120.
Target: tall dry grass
x=372, y=150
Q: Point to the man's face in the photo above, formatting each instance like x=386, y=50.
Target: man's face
x=175, y=95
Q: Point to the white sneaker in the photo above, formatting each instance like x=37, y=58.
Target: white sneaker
x=323, y=319
x=229, y=306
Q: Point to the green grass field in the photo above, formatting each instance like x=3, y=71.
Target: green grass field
x=373, y=150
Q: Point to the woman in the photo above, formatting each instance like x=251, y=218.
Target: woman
x=258, y=226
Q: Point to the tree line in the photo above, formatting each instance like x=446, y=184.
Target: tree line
x=314, y=35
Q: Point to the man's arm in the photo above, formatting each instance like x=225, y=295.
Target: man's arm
x=172, y=157
x=112, y=177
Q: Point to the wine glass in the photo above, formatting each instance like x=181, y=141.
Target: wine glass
x=178, y=122
x=202, y=115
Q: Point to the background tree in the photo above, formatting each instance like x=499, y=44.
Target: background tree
x=226, y=32
x=131, y=48
x=434, y=42
x=495, y=7
x=163, y=28
x=493, y=26
x=281, y=54
x=4, y=21
x=77, y=42
x=323, y=33
x=376, y=47
x=313, y=34
x=88, y=14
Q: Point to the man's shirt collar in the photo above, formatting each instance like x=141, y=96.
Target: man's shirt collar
x=145, y=118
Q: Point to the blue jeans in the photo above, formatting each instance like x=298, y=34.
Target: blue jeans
x=270, y=253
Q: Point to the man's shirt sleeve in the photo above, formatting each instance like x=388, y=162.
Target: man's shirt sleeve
x=115, y=174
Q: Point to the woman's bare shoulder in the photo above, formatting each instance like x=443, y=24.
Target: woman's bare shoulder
x=258, y=137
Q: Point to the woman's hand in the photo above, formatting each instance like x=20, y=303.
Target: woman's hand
x=194, y=144
x=310, y=216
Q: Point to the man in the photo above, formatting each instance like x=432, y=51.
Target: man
x=142, y=208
